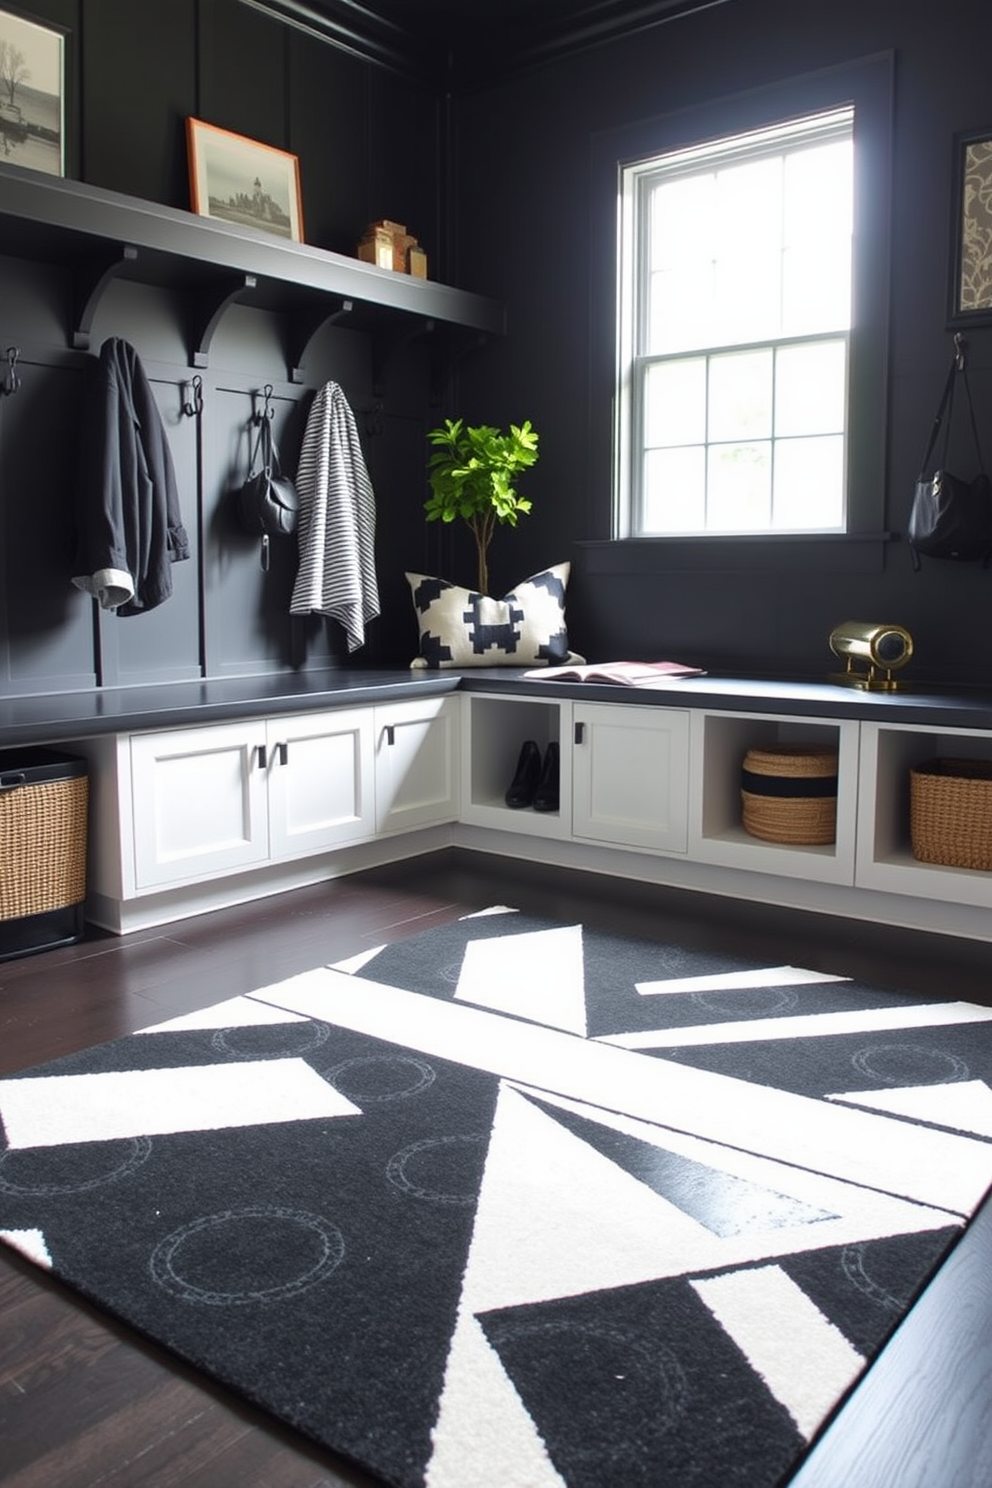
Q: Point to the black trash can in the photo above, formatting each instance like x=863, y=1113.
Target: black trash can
x=44, y=797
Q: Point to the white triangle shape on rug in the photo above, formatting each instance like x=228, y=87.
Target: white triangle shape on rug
x=483, y=1434
x=538, y=975
x=356, y=963
x=738, y=981
x=964, y=1106
x=31, y=1244
x=555, y=1218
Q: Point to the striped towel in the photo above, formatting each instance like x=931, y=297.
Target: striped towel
x=336, y=527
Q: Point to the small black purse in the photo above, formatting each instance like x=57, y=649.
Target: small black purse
x=951, y=517
x=268, y=502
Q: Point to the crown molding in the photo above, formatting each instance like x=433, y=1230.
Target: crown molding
x=461, y=53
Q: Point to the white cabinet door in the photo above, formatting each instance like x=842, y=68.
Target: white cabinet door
x=630, y=776
x=320, y=777
x=416, y=763
x=198, y=799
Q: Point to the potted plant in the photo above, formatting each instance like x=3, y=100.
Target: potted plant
x=472, y=472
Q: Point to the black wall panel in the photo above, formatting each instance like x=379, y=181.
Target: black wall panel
x=329, y=117
x=243, y=79
x=46, y=624
x=138, y=83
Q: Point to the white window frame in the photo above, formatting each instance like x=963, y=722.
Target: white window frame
x=636, y=179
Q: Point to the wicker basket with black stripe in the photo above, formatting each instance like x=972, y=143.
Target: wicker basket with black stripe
x=789, y=793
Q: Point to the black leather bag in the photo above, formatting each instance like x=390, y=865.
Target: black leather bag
x=951, y=517
x=268, y=502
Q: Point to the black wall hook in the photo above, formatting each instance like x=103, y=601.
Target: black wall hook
x=266, y=411
x=194, y=402
x=11, y=382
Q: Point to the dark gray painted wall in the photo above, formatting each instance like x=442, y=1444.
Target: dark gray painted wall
x=525, y=195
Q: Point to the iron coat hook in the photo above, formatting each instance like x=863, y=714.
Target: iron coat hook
x=11, y=381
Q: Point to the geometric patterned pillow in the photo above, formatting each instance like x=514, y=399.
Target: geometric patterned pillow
x=463, y=628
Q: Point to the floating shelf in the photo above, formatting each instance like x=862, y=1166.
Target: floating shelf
x=104, y=236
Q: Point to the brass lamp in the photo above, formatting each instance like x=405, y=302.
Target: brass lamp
x=884, y=648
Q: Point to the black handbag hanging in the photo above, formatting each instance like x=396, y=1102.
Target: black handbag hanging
x=268, y=502
x=951, y=517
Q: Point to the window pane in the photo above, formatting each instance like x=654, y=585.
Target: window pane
x=811, y=388
x=741, y=396
x=675, y=402
x=816, y=289
x=681, y=309
x=818, y=195
x=748, y=298
x=740, y=487
x=674, y=490
x=749, y=206
x=809, y=484
x=681, y=222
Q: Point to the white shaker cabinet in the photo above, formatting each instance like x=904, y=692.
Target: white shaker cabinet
x=416, y=763
x=213, y=800
x=630, y=776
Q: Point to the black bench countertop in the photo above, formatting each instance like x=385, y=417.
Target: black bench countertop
x=53, y=718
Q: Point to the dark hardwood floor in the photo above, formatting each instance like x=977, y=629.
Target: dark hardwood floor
x=84, y=1402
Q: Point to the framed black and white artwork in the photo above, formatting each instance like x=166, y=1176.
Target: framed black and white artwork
x=243, y=181
x=32, y=92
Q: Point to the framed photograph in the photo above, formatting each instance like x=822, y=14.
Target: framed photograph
x=239, y=180
x=32, y=93
x=971, y=236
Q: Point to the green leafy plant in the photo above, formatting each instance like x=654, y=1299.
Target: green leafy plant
x=471, y=473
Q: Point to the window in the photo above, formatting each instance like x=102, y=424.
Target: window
x=734, y=333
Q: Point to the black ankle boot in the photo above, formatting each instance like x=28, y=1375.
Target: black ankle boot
x=525, y=781
x=546, y=795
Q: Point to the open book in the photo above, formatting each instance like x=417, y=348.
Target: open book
x=625, y=673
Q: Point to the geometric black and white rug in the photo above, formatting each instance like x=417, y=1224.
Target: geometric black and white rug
x=512, y=1204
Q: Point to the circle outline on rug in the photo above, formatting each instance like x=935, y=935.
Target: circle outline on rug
x=140, y=1151
x=321, y=1032
x=425, y=1071
x=396, y=1168
x=163, y=1272
x=860, y=1060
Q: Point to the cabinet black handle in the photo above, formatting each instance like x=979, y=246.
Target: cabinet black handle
x=283, y=752
x=263, y=757
x=390, y=733
x=580, y=730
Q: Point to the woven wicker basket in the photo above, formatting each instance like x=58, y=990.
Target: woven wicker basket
x=951, y=812
x=42, y=847
x=789, y=794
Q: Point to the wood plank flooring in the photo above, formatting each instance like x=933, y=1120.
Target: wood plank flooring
x=85, y=1403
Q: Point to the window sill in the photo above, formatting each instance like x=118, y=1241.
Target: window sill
x=826, y=552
